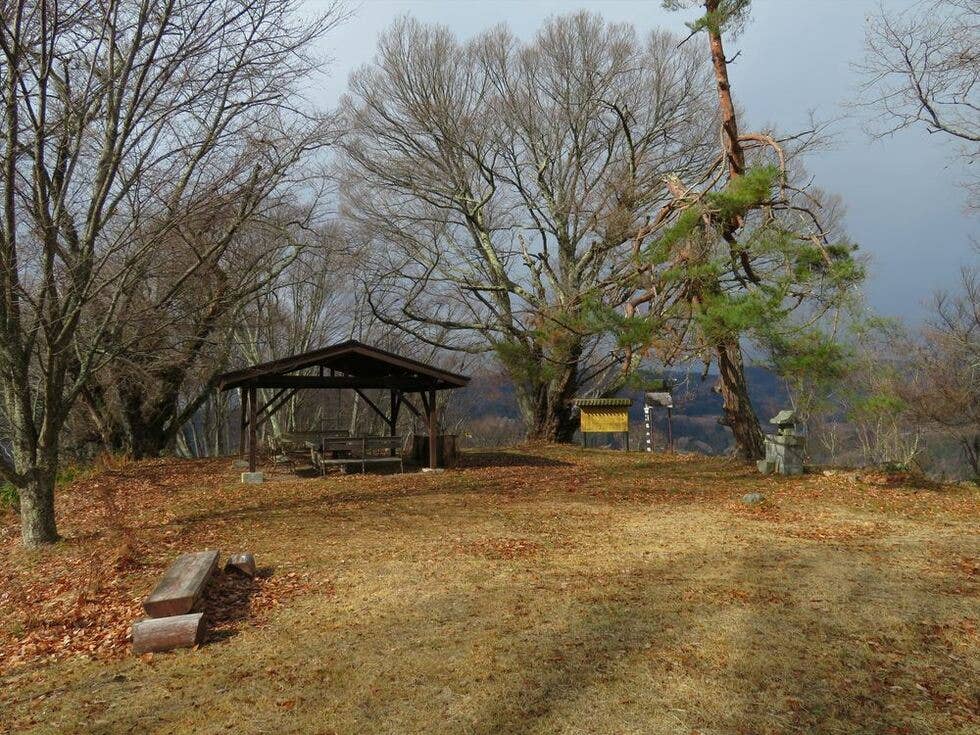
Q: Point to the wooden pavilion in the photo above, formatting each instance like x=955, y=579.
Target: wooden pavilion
x=349, y=365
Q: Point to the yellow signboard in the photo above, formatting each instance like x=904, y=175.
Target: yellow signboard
x=604, y=418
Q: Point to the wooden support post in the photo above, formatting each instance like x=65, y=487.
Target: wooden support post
x=396, y=397
x=403, y=401
x=372, y=405
x=268, y=409
x=252, y=431
x=243, y=400
x=433, y=430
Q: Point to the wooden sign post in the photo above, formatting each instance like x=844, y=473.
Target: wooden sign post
x=658, y=398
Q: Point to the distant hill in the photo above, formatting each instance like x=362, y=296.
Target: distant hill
x=486, y=410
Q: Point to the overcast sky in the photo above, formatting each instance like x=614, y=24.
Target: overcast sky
x=904, y=207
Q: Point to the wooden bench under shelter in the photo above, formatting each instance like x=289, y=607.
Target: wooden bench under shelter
x=293, y=445
x=362, y=450
x=351, y=365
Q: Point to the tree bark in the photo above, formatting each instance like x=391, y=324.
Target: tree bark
x=37, y=519
x=739, y=415
x=971, y=448
x=547, y=410
x=551, y=423
x=729, y=121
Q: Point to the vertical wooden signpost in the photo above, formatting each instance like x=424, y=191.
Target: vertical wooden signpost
x=650, y=400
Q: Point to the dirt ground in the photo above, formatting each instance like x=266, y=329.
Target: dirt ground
x=539, y=590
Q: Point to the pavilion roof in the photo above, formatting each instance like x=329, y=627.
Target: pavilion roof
x=354, y=365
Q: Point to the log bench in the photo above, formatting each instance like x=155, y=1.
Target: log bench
x=171, y=622
x=182, y=584
x=358, y=450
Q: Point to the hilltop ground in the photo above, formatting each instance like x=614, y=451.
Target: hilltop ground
x=533, y=591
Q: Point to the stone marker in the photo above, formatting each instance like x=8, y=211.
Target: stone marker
x=753, y=498
x=243, y=563
x=253, y=478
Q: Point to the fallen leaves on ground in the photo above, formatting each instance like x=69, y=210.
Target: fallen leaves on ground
x=500, y=548
x=124, y=522
x=81, y=596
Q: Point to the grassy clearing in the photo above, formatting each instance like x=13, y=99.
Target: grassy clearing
x=535, y=591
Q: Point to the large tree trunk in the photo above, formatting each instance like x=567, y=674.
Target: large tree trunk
x=544, y=397
x=739, y=415
x=547, y=410
x=145, y=421
x=35, y=464
x=550, y=422
x=971, y=448
x=37, y=509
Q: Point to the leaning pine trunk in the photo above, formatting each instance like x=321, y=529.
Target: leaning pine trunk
x=739, y=415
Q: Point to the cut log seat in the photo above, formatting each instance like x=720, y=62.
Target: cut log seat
x=164, y=634
x=243, y=563
x=182, y=584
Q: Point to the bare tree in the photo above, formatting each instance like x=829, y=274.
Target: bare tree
x=922, y=68
x=176, y=335
x=319, y=301
x=502, y=181
x=117, y=117
x=942, y=388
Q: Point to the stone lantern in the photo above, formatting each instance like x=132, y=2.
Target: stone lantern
x=784, y=449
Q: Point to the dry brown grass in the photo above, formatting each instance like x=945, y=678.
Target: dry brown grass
x=538, y=591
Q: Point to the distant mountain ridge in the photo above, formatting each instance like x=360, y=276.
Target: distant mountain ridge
x=489, y=398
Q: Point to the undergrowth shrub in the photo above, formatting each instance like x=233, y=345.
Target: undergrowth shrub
x=9, y=498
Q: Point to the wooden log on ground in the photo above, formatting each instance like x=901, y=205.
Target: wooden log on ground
x=243, y=563
x=164, y=634
x=182, y=584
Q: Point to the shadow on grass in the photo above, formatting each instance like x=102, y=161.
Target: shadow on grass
x=483, y=459
x=226, y=602
x=760, y=656
x=582, y=655
x=723, y=642
x=449, y=484
x=822, y=658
